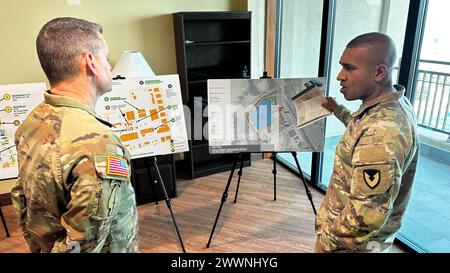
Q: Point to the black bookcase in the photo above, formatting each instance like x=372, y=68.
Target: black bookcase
x=144, y=175
x=209, y=45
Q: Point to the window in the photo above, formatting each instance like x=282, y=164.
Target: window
x=355, y=17
x=301, y=26
x=426, y=225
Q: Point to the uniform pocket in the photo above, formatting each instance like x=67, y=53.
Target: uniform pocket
x=374, y=169
x=106, y=200
x=113, y=172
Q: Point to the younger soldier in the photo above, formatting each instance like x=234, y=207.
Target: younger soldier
x=376, y=158
x=73, y=193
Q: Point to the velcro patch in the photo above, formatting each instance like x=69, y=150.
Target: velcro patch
x=116, y=166
x=372, y=179
x=104, y=167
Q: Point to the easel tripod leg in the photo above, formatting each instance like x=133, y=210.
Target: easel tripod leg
x=308, y=193
x=168, y=202
x=224, y=198
x=4, y=223
x=153, y=184
x=274, y=171
x=239, y=178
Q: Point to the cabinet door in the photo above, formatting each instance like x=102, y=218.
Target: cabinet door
x=145, y=175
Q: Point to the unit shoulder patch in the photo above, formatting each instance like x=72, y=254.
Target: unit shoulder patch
x=372, y=177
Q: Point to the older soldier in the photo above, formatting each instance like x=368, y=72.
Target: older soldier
x=73, y=193
x=376, y=157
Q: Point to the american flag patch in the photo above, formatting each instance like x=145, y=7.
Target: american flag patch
x=116, y=166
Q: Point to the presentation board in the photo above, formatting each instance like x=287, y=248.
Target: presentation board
x=147, y=114
x=16, y=101
x=261, y=115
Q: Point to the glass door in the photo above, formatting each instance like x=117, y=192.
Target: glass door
x=426, y=225
x=300, y=42
x=352, y=18
x=301, y=27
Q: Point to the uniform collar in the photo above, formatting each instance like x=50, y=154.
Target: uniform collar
x=57, y=100
x=394, y=95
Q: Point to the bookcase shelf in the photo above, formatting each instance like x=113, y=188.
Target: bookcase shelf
x=209, y=45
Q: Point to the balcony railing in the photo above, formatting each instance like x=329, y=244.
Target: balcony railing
x=432, y=96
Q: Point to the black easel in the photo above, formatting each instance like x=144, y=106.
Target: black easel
x=225, y=193
x=153, y=160
x=4, y=223
x=274, y=172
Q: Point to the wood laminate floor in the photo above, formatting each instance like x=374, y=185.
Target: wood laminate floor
x=256, y=223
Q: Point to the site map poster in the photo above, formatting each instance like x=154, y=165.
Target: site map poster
x=147, y=114
x=16, y=102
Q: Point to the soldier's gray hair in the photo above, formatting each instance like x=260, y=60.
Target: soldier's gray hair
x=61, y=41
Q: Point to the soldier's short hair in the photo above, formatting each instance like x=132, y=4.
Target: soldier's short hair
x=382, y=41
x=61, y=41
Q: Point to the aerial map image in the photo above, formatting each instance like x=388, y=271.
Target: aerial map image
x=261, y=115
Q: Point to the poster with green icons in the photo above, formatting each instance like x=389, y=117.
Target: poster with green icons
x=147, y=114
x=16, y=101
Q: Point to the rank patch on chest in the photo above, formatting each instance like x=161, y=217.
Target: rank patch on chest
x=116, y=166
x=372, y=178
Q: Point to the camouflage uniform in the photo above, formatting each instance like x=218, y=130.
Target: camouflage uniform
x=372, y=179
x=66, y=197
